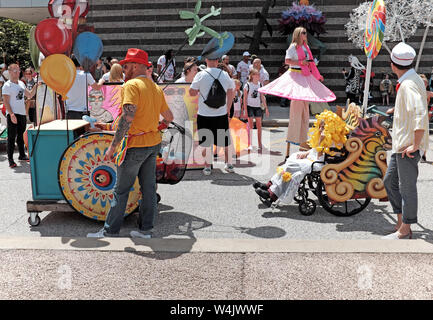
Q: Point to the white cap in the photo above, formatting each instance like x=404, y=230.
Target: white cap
x=2, y=66
x=246, y=54
x=403, y=54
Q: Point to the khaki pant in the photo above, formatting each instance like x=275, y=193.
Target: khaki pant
x=297, y=131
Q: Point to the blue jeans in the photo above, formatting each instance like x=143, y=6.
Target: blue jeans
x=139, y=162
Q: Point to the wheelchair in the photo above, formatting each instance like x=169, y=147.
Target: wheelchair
x=353, y=176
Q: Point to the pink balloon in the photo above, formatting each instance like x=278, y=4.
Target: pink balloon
x=53, y=37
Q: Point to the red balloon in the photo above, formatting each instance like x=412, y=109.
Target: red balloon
x=83, y=7
x=61, y=8
x=53, y=37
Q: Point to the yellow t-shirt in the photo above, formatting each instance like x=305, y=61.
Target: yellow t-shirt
x=150, y=102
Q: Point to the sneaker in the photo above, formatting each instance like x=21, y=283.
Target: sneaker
x=260, y=185
x=12, y=164
x=229, y=168
x=24, y=158
x=207, y=171
x=141, y=234
x=100, y=234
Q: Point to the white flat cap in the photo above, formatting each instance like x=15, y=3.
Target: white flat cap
x=246, y=54
x=403, y=54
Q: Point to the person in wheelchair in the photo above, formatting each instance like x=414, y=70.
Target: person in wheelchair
x=328, y=131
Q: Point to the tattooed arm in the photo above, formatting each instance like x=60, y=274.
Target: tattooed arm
x=122, y=128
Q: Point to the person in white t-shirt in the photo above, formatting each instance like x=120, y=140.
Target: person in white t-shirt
x=76, y=104
x=170, y=71
x=213, y=123
x=252, y=105
x=14, y=91
x=243, y=67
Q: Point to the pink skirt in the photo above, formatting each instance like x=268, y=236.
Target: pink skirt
x=294, y=85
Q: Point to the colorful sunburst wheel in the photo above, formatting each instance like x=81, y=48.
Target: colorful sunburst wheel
x=87, y=177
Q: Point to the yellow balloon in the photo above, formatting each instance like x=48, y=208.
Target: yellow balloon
x=58, y=72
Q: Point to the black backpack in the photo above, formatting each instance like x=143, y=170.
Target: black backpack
x=216, y=96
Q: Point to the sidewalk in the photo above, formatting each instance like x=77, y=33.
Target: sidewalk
x=217, y=269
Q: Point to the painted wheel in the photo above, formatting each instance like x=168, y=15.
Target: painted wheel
x=341, y=209
x=87, y=177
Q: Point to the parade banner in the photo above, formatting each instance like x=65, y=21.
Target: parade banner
x=184, y=108
x=104, y=104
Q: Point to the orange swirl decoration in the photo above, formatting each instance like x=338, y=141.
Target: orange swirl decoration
x=375, y=29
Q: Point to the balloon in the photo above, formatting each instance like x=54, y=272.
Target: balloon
x=34, y=50
x=61, y=8
x=58, y=72
x=53, y=37
x=88, y=49
x=82, y=7
x=75, y=25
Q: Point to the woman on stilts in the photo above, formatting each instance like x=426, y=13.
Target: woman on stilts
x=301, y=83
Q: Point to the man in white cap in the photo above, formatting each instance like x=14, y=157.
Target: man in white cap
x=409, y=141
x=243, y=67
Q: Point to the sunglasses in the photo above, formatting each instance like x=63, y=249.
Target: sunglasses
x=303, y=32
x=173, y=91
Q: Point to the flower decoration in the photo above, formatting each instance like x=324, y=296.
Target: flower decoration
x=287, y=176
x=300, y=15
x=334, y=134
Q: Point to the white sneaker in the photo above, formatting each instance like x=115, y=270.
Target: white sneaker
x=141, y=234
x=229, y=168
x=100, y=234
x=207, y=171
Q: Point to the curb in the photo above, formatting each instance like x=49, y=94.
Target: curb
x=216, y=245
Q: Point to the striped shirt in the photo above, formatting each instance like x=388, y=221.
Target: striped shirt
x=410, y=113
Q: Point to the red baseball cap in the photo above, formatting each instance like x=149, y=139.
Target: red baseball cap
x=136, y=55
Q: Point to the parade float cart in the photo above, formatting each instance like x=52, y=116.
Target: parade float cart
x=71, y=173
x=350, y=177
x=48, y=145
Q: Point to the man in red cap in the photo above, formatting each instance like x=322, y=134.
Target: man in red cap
x=143, y=102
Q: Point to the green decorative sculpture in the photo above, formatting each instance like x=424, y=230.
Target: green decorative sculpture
x=198, y=29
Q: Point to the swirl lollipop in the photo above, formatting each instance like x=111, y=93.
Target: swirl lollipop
x=375, y=29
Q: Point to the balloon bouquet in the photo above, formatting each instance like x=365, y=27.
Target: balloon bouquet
x=57, y=38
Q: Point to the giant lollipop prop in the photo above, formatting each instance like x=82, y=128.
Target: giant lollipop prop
x=373, y=38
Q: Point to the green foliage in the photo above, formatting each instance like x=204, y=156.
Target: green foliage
x=14, y=42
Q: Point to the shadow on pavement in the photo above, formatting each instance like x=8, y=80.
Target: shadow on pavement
x=219, y=178
x=371, y=219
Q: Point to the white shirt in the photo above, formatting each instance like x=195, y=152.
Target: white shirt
x=410, y=113
x=253, y=98
x=1, y=78
x=292, y=54
x=169, y=73
x=180, y=80
x=243, y=68
x=106, y=77
x=16, y=93
x=203, y=82
x=77, y=94
x=237, y=102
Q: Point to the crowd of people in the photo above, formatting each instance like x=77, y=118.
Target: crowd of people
x=225, y=91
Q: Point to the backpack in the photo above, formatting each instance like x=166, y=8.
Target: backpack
x=216, y=96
